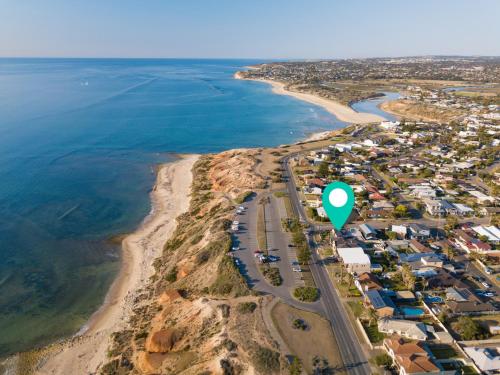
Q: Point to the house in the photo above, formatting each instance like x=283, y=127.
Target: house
x=419, y=231
x=367, y=281
x=380, y=302
x=462, y=209
x=411, y=357
x=491, y=232
x=401, y=230
x=321, y=212
x=481, y=198
x=419, y=247
x=368, y=232
x=461, y=301
x=487, y=359
x=470, y=244
x=434, y=207
x=313, y=200
x=405, y=295
x=406, y=328
x=354, y=259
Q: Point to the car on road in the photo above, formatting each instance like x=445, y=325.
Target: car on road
x=235, y=248
x=435, y=247
x=258, y=253
x=488, y=270
x=296, y=269
x=291, y=245
x=237, y=262
x=273, y=258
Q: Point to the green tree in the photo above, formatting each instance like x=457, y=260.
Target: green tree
x=295, y=366
x=391, y=235
x=408, y=277
x=400, y=211
x=323, y=170
x=468, y=328
x=383, y=360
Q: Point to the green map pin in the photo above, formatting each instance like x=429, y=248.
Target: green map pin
x=338, y=201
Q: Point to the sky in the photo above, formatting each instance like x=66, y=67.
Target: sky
x=271, y=29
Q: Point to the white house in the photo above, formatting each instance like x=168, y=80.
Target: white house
x=354, y=259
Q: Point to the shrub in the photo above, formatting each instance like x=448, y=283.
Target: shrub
x=243, y=196
x=171, y=276
x=272, y=275
x=306, y=294
x=266, y=360
x=247, y=307
x=299, y=324
x=383, y=360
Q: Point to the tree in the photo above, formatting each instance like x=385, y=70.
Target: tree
x=391, y=235
x=323, y=170
x=468, y=328
x=303, y=254
x=400, y=211
x=383, y=360
x=296, y=366
x=408, y=277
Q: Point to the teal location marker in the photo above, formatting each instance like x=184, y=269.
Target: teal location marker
x=338, y=201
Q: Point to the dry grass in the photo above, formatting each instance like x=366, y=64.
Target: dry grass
x=316, y=341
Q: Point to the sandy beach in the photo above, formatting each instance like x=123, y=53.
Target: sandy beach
x=342, y=112
x=84, y=353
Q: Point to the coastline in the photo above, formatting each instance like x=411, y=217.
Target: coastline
x=170, y=197
x=342, y=112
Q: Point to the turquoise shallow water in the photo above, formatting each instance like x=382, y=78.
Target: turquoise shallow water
x=78, y=143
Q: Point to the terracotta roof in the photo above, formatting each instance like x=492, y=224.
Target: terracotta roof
x=411, y=356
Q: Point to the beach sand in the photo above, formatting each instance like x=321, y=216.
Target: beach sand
x=342, y=112
x=84, y=353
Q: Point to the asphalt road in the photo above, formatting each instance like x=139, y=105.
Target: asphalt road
x=352, y=353
x=246, y=240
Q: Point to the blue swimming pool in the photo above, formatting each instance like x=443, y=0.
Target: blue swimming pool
x=412, y=311
x=433, y=299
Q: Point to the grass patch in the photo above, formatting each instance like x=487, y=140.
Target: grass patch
x=443, y=352
x=306, y=294
x=243, y=196
x=280, y=194
x=288, y=207
x=261, y=228
x=229, y=280
x=374, y=335
x=246, y=307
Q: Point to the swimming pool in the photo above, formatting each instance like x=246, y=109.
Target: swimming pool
x=412, y=311
x=433, y=299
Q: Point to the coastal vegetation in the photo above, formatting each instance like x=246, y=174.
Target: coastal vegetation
x=306, y=294
x=197, y=278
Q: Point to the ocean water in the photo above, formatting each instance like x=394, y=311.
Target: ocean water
x=79, y=140
x=371, y=105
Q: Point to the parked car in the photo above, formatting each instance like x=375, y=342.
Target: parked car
x=296, y=269
x=485, y=284
x=235, y=248
x=273, y=258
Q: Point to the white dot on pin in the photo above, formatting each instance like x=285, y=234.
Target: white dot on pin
x=337, y=197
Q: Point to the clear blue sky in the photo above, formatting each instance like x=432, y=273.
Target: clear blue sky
x=250, y=28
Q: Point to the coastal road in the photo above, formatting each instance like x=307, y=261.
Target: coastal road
x=352, y=353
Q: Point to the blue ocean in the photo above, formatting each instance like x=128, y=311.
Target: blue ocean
x=79, y=140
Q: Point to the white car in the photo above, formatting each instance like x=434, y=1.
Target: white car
x=485, y=284
x=296, y=269
x=235, y=248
